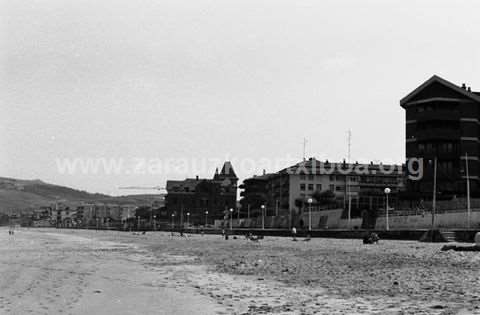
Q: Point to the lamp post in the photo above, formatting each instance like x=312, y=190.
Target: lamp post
x=231, y=218
x=173, y=217
x=188, y=219
x=387, y=192
x=310, y=200
x=468, y=192
x=138, y=222
x=206, y=218
x=154, y=222
x=263, y=216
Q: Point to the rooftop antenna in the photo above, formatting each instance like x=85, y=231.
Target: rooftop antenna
x=347, y=180
x=304, y=147
x=349, y=134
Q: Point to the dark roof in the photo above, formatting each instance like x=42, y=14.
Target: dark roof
x=227, y=171
x=186, y=185
x=472, y=95
x=309, y=165
x=260, y=177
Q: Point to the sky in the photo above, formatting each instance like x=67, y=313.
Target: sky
x=150, y=85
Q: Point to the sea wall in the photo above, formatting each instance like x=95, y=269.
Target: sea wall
x=451, y=220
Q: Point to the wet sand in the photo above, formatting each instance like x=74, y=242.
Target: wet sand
x=48, y=271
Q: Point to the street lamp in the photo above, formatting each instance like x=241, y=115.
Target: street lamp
x=188, y=219
x=310, y=200
x=173, y=218
x=231, y=218
x=154, y=222
x=206, y=215
x=387, y=192
x=263, y=216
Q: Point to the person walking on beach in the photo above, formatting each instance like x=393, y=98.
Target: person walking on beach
x=294, y=233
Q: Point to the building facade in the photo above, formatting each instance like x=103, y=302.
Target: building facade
x=442, y=124
x=287, y=191
x=197, y=200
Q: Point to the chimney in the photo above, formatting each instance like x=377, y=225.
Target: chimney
x=264, y=172
x=469, y=89
x=464, y=86
x=196, y=177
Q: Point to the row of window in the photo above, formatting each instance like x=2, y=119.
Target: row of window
x=446, y=147
x=310, y=187
x=444, y=125
x=432, y=107
x=332, y=177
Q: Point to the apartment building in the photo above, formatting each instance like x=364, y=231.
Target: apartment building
x=442, y=122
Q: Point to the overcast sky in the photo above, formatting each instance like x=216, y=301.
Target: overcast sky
x=217, y=80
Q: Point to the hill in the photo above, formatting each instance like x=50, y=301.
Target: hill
x=18, y=194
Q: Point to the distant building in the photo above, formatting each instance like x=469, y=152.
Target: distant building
x=198, y=195
x=288, y=190
x=256, y=192
x=442, y=121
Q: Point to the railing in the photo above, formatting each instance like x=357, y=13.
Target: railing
x=437, y=115
x=437, y=133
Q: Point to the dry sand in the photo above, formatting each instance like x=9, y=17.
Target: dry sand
x=48, y=271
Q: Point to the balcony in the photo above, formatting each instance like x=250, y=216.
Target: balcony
x=437, y=115
x=437, y=133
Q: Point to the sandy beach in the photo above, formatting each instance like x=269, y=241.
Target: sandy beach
x=50, y=271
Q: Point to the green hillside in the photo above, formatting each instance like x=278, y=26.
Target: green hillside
x=17, y=195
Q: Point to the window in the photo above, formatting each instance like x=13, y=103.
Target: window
x=332, y=178
x=310, y=186
x=429, y=147
x=449, y=147
x=310, y=177
x=331, y=187
x=421, y=147
x=302, y=186
x=302, y=176
x=420, y=109
x=319, y=187
x=339, y=188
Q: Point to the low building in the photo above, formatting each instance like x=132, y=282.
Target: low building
x=198, y=199
x=329, y=185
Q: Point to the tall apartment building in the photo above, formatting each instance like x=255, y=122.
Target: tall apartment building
x=282, y=191
x=442, y=122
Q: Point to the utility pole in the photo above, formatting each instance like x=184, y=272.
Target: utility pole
x=347, y=180
x=468, y=192
x=434, y=201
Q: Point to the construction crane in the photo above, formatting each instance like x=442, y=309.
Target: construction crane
x=142, y=188
x=162, y=195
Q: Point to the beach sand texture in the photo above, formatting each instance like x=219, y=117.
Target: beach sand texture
x=50, y=271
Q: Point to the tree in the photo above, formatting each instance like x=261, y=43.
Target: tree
x=324, y=197
x=143, y=212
